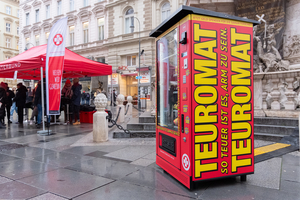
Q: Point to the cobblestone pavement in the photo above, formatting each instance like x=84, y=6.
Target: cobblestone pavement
x=65, y=166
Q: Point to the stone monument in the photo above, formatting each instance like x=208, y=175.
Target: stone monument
x=129, y=105
x=120, y=100
x=100, y=124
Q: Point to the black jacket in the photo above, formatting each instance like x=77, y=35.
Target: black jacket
x=20, y=98
x=38, y=95
x=3, y=102
x=10, y=95
x=76, y=94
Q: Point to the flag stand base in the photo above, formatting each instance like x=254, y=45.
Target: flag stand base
x=45, y=132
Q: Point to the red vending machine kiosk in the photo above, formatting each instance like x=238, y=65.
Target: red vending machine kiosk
x=204, y=95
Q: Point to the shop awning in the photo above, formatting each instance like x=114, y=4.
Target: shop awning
x=28, y=65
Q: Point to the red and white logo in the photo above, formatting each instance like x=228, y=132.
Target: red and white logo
x=58, y=39
x=186, y=162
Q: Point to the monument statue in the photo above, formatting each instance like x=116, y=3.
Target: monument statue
x=268, y=59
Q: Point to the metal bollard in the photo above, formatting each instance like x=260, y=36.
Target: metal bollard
x=299, y=131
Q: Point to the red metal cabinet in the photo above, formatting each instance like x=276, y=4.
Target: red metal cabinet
x=204, y=84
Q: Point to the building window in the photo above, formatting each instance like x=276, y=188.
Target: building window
x=47, y=36
x=7, y=57
x=131, y=60
x=71, y=30
x=27, y=40
x=18, y=44
x=100, y=0
x=37, y=14
x=85, y=32
x=18, y=13
x=18, y=30
x=101, y=59
x=165, y=11
x=47, y=11
x=7, y=42
x=8, y=10
x=85, y=3
x=8, y=27
x=71, y=5
x=58, y=7
x=101, y=28
x=129, y=21
x=27, y=19
x=37, y=40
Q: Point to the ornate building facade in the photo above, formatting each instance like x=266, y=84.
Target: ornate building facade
x=107, y=31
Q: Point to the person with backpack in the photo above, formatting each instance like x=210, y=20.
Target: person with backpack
x=66, y=96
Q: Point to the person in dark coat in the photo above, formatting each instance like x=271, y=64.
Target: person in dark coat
x=37, y=101
x=10, y=95
x=20, y=100
x=2, y=104
x=76, y=88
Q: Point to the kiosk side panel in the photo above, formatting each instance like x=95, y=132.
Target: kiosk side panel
x=167, y=129
x=222, y=90
x=185, y=96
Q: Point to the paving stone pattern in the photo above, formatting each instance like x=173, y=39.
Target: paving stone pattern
x=40, y=168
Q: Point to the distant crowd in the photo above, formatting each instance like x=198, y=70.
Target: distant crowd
x=17, y=99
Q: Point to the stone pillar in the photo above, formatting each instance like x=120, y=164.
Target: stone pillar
x=290, y=95
x=120, y=100
x=100, y=124
x=275, y=105
x=129, y=105
x=264, y=95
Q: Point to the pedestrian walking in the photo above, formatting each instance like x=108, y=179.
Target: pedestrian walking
x=9, y=95
x=2, y=104
x=76, y=88
x=20, y=100
x=66, y=95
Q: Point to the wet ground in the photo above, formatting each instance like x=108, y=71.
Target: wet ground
x=64, y=166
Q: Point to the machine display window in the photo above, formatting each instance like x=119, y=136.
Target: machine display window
x=167, y=74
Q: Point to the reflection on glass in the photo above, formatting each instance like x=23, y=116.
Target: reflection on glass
x=167, y=81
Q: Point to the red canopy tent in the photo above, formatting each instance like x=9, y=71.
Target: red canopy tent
x=29, y=63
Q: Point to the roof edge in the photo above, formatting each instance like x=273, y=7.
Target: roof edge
x=183, y=11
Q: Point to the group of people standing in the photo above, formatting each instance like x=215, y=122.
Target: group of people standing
x=71, y=95
x=7, y=97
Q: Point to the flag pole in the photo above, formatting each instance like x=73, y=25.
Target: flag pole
x=42, y=92
x=43, y=132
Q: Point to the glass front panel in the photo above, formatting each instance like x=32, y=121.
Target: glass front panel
x=167, y=81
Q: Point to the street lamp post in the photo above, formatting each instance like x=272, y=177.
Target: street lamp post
x=132, y=26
